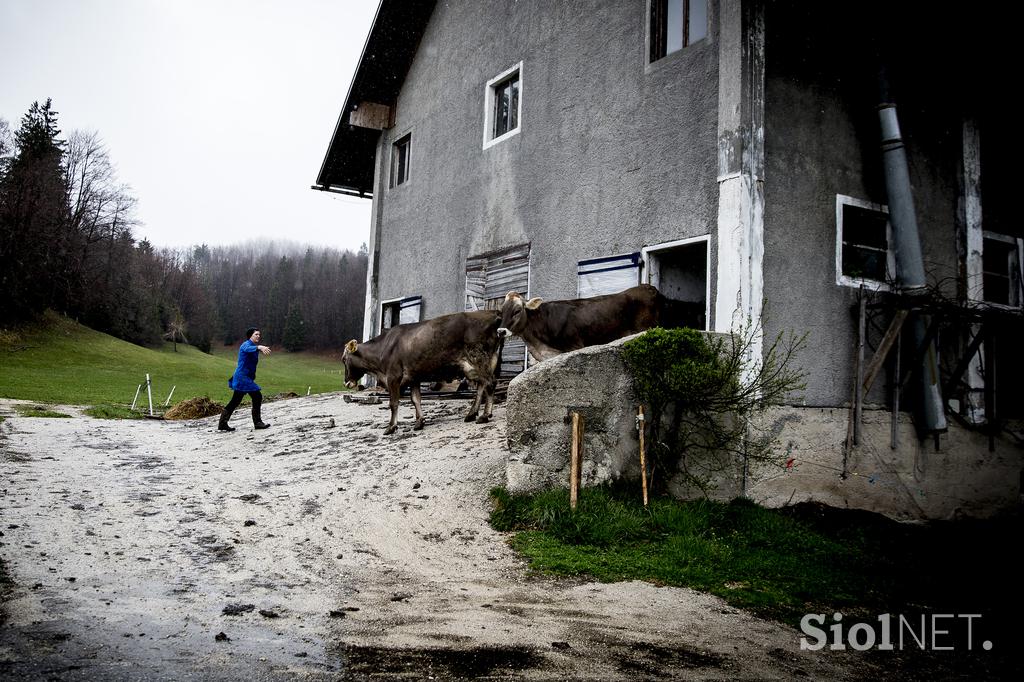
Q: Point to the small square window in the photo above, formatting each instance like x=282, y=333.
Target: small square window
x=676, y=24
x=863, y=235
x=400, y=161
x=503, y=106
x=1001, y=269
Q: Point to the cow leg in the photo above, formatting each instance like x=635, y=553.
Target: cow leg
x=471, y=415
x=415, y=391
x=394, y=391
x=489, y=405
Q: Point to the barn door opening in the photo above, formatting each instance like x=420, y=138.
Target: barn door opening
x=679, y=270
x=489, y=277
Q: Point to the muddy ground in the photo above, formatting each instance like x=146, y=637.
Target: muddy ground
x=321, y=549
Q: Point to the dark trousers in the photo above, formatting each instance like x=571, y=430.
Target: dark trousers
x=236, y=398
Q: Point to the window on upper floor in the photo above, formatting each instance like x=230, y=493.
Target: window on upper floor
x=503, y=105
x=863, y=237
x=400, y=160
x=676, y=24
x=1001, y=269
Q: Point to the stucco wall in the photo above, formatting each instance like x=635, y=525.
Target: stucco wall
x=613, y=154
x=822, y=139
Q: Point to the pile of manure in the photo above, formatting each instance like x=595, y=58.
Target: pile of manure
x=194, y=408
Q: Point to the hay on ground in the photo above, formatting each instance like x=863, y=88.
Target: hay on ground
x=194, y=408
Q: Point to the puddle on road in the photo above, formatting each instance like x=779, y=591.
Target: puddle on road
x=437, y=662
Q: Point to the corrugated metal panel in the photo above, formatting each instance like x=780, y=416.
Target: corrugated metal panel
x=489, y=277
x=610, y=275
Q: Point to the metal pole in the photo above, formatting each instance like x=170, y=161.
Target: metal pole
x=169, y=395
x=149, y=392
x=136, y=398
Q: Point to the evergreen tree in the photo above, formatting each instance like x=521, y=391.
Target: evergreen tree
x=294, y=329
x=35, y=243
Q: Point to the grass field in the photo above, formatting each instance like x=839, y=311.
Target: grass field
x=56, y=360
x=778, y=563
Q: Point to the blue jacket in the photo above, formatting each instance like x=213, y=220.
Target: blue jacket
x=245, y=374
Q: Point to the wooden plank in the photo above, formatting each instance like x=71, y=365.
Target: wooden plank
x=371, y=115
x=875, y=366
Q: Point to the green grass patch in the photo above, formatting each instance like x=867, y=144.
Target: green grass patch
x=38, y=411
x=56, y=360
x=778, y=563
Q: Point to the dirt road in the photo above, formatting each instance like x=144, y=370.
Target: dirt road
x=321, y=549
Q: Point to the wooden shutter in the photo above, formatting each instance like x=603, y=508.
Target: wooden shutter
x=489, y=277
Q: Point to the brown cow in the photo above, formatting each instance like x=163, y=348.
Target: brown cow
x=554, y=327
x=441, y=349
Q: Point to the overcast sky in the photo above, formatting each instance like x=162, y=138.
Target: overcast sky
x=218, y=113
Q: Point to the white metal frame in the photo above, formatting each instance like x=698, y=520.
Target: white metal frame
x=650, y=275
x=890, y=255
x=489, y=106
x=1019, y=243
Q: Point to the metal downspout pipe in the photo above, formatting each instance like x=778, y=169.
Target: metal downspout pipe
x=910, y=275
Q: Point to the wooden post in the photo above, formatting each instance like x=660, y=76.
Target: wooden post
x=576, y=458
x=136, y=398
x=859, y=393
x=640, y=424
x=149, y=392
x=893, y=437
x=166, y=402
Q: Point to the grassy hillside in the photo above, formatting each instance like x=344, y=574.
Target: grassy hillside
x=58, y=360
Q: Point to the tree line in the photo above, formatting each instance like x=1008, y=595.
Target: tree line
x=67, y=244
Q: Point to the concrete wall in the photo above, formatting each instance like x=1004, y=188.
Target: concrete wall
x=613, y=153
x=822, y=139
x=912, y=482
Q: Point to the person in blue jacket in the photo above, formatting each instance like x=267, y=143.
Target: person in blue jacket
x=243, y=381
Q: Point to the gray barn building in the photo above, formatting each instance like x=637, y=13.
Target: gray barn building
x=727, y=151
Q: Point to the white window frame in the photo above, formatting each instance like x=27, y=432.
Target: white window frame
x=399, y=301
x=649, y=275
x=1019, y=243
x=405, y=137
x=890, y=254
x=637, y=266
x=686, y=32
x=489, y=91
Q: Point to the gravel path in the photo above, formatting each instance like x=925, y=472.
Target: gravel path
x=321, y=549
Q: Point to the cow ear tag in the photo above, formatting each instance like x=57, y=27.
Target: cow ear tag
x=534, y=303
x=351, y=346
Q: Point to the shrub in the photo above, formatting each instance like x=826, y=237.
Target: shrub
x=702, y=395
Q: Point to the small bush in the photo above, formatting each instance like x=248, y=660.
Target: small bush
x=702, y=394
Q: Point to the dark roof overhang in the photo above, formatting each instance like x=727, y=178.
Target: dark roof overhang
x=369, y=107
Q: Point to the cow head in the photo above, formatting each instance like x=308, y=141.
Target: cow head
x=353, y=371
x=514, y=313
